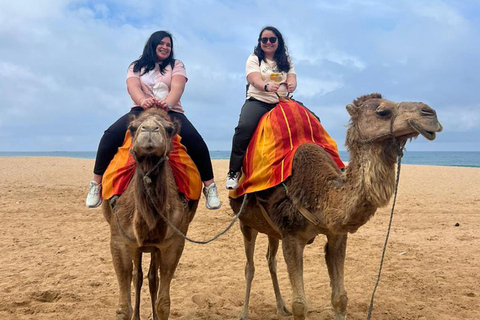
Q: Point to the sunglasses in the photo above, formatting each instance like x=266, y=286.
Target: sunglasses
x=265, y=40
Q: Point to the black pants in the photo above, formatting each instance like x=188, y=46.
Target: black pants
x=113, y=137
x=251, y=113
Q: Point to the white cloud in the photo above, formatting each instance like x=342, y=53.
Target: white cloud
x=63, y=62
x=311, y=87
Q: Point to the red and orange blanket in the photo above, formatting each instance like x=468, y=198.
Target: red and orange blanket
x=122, y=167
x=269, y=157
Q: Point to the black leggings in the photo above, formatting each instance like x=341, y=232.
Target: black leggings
x=113, y=138
x=251, y=113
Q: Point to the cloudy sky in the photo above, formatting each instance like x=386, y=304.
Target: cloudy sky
x=63, y=63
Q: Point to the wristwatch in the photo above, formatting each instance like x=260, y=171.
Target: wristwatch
x=169, y=106
x=265, y=87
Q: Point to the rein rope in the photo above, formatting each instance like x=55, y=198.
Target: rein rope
x=146, y=179
x=180, y=233
x=399, y=165
x=147, y=184
x=399, y=148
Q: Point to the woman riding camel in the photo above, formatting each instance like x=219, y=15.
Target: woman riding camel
x=155, y=80
x=270, y=74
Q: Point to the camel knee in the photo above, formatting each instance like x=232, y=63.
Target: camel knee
x=163, y=309
x=249, y=271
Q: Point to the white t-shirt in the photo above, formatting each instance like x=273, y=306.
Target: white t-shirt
x=155, y=84
x=270, y=73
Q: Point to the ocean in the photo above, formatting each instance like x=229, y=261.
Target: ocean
x=431, y=158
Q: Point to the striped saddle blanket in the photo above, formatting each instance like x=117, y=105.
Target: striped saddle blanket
x=121, y=169
x=269, y=157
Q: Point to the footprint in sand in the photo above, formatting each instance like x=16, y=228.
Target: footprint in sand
x=46, y=296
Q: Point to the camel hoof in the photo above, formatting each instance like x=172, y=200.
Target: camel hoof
x=284, y=312
x=299, y=310
x=121, y=315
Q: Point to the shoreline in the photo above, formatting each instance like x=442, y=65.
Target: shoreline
x=410, y=157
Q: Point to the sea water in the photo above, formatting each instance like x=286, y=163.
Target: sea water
x=431, y=158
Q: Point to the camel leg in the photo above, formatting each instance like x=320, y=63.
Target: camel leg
x=138, y=281
x=293, y=253
x=335, y=258
x=122, y=262
x=169, y=258
x=272, y=266
x=153, y=280
x=249, y=238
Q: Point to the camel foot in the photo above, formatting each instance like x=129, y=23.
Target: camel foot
x=340, y=316
x=121, y=315
x=283, y=310
x=299, y=310
x=243, y=317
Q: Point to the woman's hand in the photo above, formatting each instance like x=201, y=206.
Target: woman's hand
x=161, y=104
x=291, y=86
x=273, y=86
x=147, y=103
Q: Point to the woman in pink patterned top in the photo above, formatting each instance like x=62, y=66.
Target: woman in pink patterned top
x=155, y=80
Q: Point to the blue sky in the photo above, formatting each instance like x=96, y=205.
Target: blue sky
x=63, y=63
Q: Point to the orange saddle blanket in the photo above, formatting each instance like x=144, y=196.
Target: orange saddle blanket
x=269, y=157
x=121, y=169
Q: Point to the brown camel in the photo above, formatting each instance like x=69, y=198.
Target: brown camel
x=338, y=202
x=136, y=224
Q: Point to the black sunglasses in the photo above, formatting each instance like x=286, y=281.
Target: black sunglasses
x=265, y=40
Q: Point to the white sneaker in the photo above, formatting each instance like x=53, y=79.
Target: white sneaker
x=94, y=197
x=212, y=201
x=232, y=180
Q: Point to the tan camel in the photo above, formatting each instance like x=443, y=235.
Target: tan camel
x=339, y=202
x=136, y=225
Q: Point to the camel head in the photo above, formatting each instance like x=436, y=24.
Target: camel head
x=151, y=134
x=374, y=119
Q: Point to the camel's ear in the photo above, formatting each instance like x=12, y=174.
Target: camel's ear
x=352, y=110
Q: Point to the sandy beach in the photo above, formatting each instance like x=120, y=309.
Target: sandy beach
x=56, y=263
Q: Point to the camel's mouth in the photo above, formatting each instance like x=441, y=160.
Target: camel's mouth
x=429, y=135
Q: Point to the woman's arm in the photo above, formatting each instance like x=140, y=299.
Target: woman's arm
x=177, y=87
x=255, y=79
x=134, y=88
x=291, y=82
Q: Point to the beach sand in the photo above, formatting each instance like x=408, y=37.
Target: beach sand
x=55, y=259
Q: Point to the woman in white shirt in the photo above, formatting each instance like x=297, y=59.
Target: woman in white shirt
x=270, y=74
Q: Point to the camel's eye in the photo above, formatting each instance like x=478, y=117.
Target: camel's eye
x=169, y=130
x=132, y=129
x=384, y=113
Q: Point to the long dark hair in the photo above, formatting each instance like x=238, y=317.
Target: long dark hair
x=149, y=56
x=281, y=56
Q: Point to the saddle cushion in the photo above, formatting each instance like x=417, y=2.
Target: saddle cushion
x=269, y=157
x=122, y=167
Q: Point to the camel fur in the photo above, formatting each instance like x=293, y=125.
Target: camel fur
x=341, y=201
x=136, y=225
